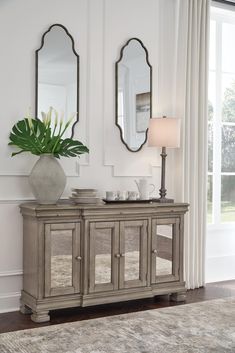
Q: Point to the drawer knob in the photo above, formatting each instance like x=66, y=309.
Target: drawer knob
x=78, y=258
x=154, y=251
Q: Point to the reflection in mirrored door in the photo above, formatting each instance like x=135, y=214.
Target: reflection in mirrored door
x=62, y=258
x=103, y=255
x=133, y=254
x=164, y=245
x=165, y=250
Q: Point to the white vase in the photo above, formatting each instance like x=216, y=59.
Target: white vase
x=47, y=179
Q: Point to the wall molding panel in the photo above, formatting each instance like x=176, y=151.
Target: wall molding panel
x=148, y=172
x=15, y=201
x=77, y=167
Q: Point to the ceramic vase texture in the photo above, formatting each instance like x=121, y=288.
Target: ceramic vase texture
x=47, y=179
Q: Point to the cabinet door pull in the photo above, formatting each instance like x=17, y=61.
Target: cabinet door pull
x=154, y=251
x=78, y=258
x=117, y=255
x=122, y=255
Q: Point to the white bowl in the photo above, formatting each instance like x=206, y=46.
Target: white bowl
x=86, y=200
x=83, y=190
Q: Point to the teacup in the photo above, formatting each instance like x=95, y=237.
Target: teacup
x=122, y=195
x=132, y=195
x=111, y=195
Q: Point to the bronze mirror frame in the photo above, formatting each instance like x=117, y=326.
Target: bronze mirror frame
x=36, y=71
x=116, y=91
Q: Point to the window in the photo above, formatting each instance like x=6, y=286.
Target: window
x=221, y=118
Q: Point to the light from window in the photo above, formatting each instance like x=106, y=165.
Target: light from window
x=221, y=119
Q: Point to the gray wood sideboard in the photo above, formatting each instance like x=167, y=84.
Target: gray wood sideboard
x=78, y=255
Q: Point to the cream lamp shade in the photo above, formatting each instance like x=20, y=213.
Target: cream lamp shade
x=164, y=132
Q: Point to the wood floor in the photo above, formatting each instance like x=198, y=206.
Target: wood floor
x=16, y=321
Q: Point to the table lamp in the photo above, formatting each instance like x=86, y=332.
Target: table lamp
x=164, y=132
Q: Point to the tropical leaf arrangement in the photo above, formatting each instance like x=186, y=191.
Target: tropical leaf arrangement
x=42, y=136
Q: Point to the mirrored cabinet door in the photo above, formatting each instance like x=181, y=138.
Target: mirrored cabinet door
x=103, y=256
x=133, y=254
x=165, y=250
x=62, y=258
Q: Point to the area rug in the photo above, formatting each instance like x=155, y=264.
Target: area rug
x=205, y=327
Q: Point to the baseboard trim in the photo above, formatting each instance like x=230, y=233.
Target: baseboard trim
x=11, y=273
x=9, y=310
x=9, y=302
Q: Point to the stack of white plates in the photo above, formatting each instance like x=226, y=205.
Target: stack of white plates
x=85, y=196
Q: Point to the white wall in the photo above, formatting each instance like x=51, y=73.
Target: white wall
x=100, y=28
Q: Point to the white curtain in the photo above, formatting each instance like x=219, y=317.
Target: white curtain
x=190, y=103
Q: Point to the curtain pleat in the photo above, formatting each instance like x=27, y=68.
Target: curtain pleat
x=191, y=81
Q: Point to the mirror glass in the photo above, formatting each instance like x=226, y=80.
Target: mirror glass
x=132, y=253
x=57, y=70
x=61, y=258
x=103, y=256
x=133, y=94
x=164, y=244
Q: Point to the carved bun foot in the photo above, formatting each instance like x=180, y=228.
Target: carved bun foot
x=178, y=297
x=41, y=316
x=24, y=309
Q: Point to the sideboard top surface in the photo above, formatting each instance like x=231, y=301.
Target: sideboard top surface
x=66, y=207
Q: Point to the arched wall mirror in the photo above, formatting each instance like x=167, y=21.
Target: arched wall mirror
x=57, y=74
x=133, y=94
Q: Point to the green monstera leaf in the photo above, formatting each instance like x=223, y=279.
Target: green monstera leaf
x=29, y=136
x=36, y=136
x=72, y=148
